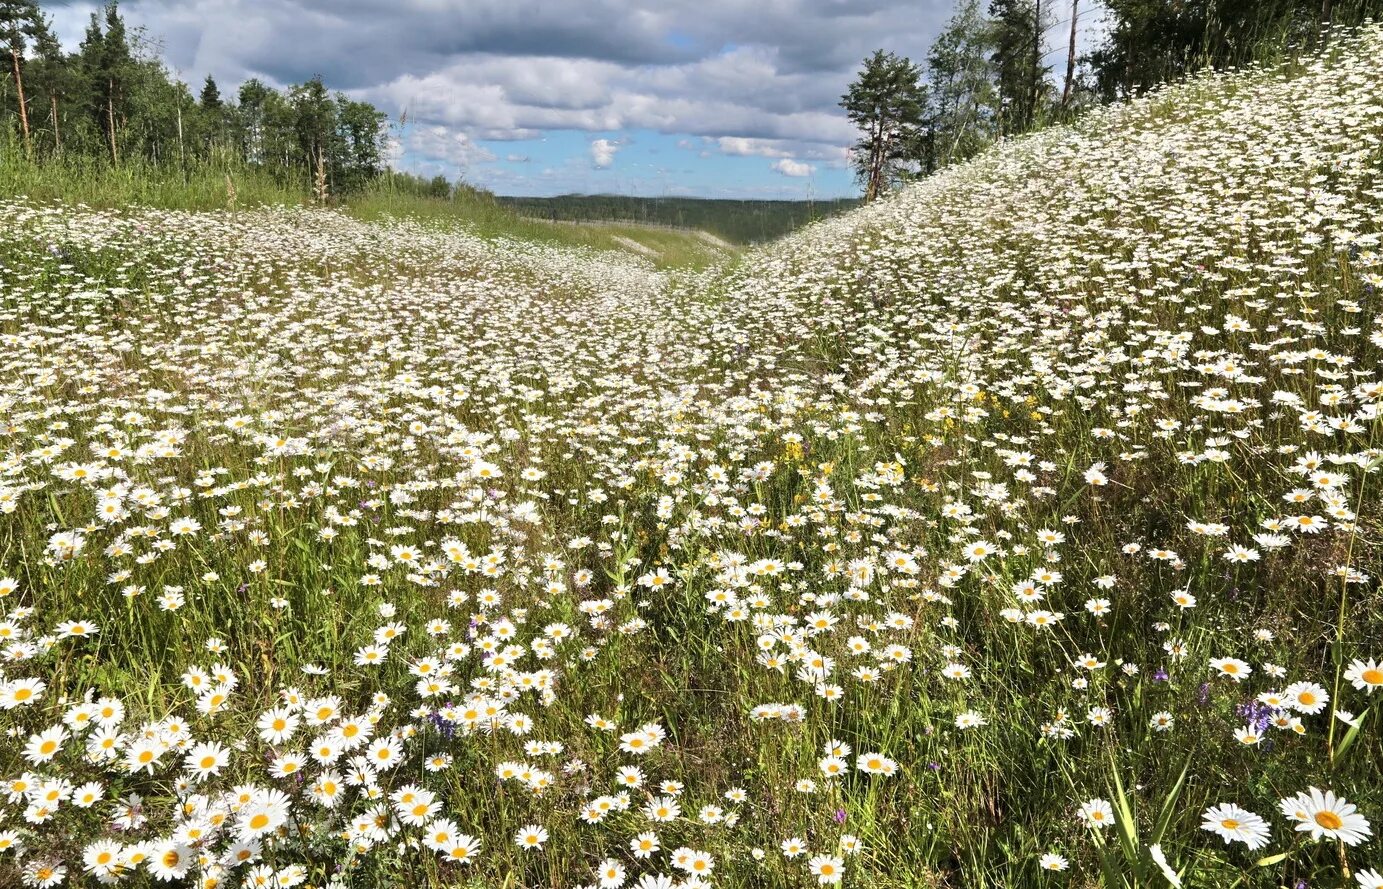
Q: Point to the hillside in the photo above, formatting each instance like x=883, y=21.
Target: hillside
x=1017, y=530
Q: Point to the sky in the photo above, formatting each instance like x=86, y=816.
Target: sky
x=704, y=98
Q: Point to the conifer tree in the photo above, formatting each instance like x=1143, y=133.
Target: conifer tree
x=887, y=102
x=21, y=25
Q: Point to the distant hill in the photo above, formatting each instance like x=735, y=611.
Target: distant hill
x=739, y=222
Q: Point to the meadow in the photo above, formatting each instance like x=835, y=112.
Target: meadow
x=1020, y=529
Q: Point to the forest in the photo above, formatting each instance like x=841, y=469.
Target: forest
x=114, y=101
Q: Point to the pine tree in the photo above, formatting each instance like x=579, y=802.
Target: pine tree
x=1016, y=39
x=52, y=76
x=887, y=102
x=210, y=99
x=20, y=25
x=107, y=66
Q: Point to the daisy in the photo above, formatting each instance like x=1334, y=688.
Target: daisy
x=170, y=861
x=645, y=844
x=206, y=759
x=531, y=836
x=1232, y=667
x=1306, y=697
x=876, y=764
x=1366, y=676
x=1323, y=814
x=1097, y=813
x=1369, y=879
x=277, y=725
x=610, y=874
x=1231, y=822
x=828, y=869
x=463, y=849
x=970, y=719
x=45, y=745
x=266, y=810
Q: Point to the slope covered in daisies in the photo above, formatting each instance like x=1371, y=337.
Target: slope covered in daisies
x=1018, y=530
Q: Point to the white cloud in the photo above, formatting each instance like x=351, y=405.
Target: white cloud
x=603, y=153
x=445, y=147
x=789, y=167
x=741, y=146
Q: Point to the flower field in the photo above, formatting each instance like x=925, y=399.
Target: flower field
x=1021, y=529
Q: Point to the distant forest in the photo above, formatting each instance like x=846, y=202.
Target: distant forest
x=736, y=221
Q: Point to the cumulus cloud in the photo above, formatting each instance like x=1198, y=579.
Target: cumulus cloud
x=739, y=79
x=441, y=143
x=603, y=153
x=789, y=167
x=745, y=147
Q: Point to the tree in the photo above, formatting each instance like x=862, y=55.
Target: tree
x=965, y=104
x=107, y=66
x=1070, y=57
x=210, y=99
x=20, y=24
x=114, y=97
x=887, y=102
x=360, y=140
x=315, y=122
x=52, y=77
x=1014, y=36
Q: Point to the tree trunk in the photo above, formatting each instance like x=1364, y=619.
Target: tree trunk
x=110, y=121
x=23, y=112
x=57, y=133
x=876, y=160
x=182, y=158
x=1036, y=65
x=1071, y=57
x=1327, y=9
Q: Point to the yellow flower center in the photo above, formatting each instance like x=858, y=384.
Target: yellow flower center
x=1329, y=820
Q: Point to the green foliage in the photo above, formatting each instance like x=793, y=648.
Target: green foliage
x=887, y=103
x=1151, y=41
x=114, y=100
x=1020, y=77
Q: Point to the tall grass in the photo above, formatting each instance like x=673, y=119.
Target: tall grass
x=80, y=179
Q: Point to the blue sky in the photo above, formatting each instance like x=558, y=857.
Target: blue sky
x=638, y=162
x=712, y=98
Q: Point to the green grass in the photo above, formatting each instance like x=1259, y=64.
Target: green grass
x=77, y=179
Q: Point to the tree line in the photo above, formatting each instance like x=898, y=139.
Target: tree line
x=986, y=75
x=114, y=99
x=736, y=221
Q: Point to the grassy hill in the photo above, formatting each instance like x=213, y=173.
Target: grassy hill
x=1018, y=530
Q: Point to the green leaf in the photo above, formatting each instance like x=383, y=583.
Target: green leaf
x=1164, y=818
x=1126, y=826
x=1350, y=737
